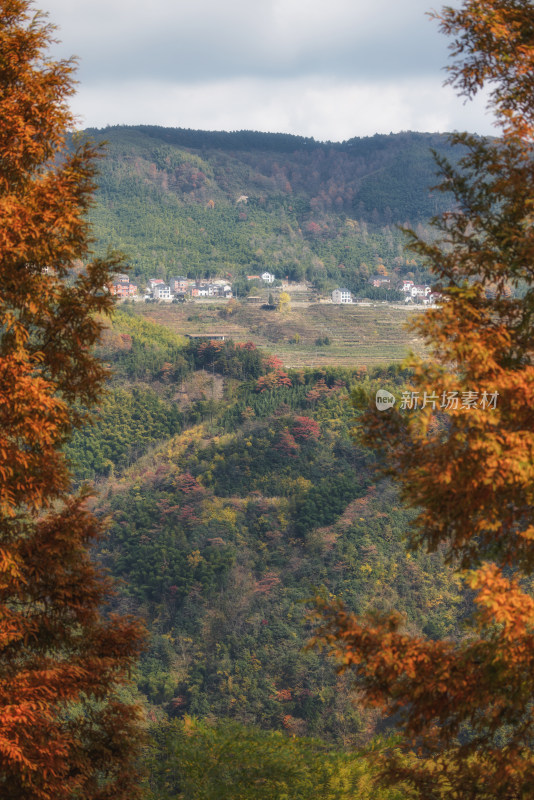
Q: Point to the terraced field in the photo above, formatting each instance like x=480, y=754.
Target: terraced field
x=359, y=335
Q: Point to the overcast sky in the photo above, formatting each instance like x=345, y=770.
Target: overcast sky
x=331, y=69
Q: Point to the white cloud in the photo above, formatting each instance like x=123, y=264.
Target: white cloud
x=324, y=109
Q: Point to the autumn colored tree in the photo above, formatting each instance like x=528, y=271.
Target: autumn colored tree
x=305, y=428
x=287, y=445
x=272, y=380
x=284, y=302
x=66, y=730
x=461, y=446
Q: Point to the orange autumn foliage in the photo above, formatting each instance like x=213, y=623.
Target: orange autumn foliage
x=65, y=732
x=466, y=707
x=441, y=689
x=273, y=380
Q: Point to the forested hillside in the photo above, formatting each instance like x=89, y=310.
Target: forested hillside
x=203, y=203
x=233, y=484
x=235, y=492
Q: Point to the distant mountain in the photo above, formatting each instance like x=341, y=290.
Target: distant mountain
x=205, y=203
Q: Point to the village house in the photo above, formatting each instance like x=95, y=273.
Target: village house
x=219, y=289
x=341, y=296
x=123, y=290
x=152, y=282
x=178, y=284
x=121, y=287
x=420, y=291
x=225, y=290
x=214, y=337
x=162, y=292
x=200, y=290
x=267, y=277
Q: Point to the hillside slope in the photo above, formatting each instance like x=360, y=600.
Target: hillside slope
x=201, y=203
x=234, y=490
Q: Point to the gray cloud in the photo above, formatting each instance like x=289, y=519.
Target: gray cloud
x=196, y=40
x=327, y=68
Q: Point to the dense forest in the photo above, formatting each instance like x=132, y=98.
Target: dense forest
x=201, y=204
x=236, y=492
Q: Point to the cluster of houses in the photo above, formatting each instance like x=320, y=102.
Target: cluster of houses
x=179, y=288
x=413, y=293
x=418, y=293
